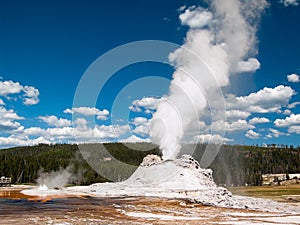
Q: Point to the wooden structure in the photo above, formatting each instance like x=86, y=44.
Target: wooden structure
x=276, y=179
x=5, y=181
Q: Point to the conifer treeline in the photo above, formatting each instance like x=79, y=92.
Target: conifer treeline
x=234, y=165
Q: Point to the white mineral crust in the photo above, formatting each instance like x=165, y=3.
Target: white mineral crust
x=178, y=179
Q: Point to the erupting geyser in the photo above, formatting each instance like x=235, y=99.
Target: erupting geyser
x=220, y=42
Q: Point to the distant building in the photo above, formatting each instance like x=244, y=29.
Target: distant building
x=274, y=179
x=5, y=181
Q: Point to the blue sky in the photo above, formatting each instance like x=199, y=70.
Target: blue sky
x=46, y=47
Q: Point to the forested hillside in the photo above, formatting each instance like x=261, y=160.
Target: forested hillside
x=234, y=165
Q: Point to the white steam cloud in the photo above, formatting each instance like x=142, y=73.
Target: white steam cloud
x=55, y=179
x=220, y=42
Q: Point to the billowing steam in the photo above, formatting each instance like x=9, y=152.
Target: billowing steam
x=220, y=42
x=55, y=179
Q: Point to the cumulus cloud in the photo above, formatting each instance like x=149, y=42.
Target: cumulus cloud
x=287, y=112
x=288, y=121
x=265, y=100
x=251, y=65
x=8, y=125
x=141, y=126
x=134, y=139
x=289, y=2
x=89, y=111
x=78, y=134
x=195, y=17
x=294, y=78
x=141, y=130
x=54, y=121
x=146, y=104
x=10, y=87
x=182, y=8
x=211, y=138
x=257, y=120
x=8, y=120
x=274, y=133
x=139, y=121
x=238, y=125
x=34, y=131
x=17, y=141
x=237, y=114
x=101, y=133
x=9, y=114
x=252, y=134
x=293, y=105
x=294, y=129
x=81, y=122
x=30, y=94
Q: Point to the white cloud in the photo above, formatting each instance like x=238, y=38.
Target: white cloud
x=269, y=136
x=9, y=114
x=289, y=2
x=287, y=112
x=34, y=131
x=10, y=87
x=182, y=8
x=81, y=122
x=210, y=138
x=81, y=133
x=8, y=125
x=294, y=78
x=89, y=111
x=265, y=100
x=102, y=132
x=142, y=125
x=141, y=130
x=146, y=104
x=252, y=134
x=2, y=102
x=195, y=17
x=293, y=105
x=140, y=121
x=237, y=114
x=60, y=133
x=134, y=139
x=294, y=129
x=8, y=121
x=30, y=96
x=30, y=101
x=16, y=141
x=257, y=120
x=202, y=126
x=238, y=125
x=274, y=133
x=251, y=65
x=54, y=121
x=288, y=121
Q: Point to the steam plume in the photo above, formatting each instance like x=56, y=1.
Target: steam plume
x=55, y=179
x=219, y=42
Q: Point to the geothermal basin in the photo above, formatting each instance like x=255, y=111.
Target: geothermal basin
x=159, y=192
